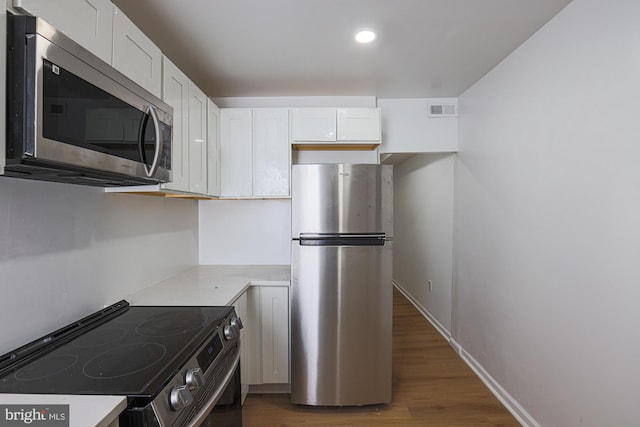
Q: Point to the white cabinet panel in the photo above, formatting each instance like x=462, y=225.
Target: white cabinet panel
x=271, y=152
x=313, y=124
x=87, y=22
x=236, y=152
x=213, y=149
x=274, y=319
x=359, y=124
x=240, y=306
x=197, y=140
x=135, y=55
x=175, y=92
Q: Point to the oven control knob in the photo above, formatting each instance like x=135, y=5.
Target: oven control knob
x=194, y=379
x=231, y=332
x=237, y=323
x=180, y=397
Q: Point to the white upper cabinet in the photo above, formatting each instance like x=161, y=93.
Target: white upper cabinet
x=358, y=128
x=213, y=149
x=175, y=92
x=359, y=124
x=197, y=140
x=87, y=22
x=313, y=124
x=271, y=152
x=255, y=152
x=135, y=55
x=236, y=152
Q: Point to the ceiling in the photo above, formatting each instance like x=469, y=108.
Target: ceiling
x=424, y=48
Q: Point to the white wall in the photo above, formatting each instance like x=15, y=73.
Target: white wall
x=547, y=219
x=252, y=232
x=423, y=233
x=66, y=251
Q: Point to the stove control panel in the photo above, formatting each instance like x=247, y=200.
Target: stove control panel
x=200, y=375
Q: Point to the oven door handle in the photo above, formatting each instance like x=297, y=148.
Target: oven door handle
x=217, y=394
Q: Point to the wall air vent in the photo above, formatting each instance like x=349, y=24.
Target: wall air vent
x=443, y=110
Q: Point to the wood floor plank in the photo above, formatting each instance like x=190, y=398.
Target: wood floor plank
x=432, y=387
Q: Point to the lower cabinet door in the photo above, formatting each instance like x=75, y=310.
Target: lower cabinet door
x=274, y=304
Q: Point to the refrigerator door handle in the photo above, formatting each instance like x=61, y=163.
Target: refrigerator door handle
x=329, y=239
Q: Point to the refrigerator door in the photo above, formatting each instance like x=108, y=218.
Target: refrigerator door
x=341, y=322
x=342, y=198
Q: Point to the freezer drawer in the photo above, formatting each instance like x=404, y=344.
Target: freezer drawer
x=341, y=322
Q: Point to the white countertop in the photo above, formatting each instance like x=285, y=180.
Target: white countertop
x=99, y=411
x=211, y=285
x=201, y=285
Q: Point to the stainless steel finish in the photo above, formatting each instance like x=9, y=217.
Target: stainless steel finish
x=341, y=306
x=231, y=332
x=180, y=397
x=237, y=322
x=219, y=372
x=54, y=46
x=194, y=379
x=158, y=143
x=341, y=198
x=215, y=396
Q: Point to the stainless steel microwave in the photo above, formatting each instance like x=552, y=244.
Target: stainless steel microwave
x=73, y=118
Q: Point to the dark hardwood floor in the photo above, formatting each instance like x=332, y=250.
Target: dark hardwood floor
x=432, y=387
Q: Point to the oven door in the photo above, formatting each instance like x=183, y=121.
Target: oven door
x=224, y=407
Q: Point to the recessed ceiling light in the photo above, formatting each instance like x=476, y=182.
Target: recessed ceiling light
x=365, y=36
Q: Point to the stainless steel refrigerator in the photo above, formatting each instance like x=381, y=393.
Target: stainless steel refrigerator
x=341, y=289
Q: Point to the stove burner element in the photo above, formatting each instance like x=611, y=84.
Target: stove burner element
x=118, y=362
x=46, y=367
x=171, y=324
x=99, y=337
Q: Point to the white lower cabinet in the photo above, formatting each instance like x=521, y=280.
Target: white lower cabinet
x=267, y=335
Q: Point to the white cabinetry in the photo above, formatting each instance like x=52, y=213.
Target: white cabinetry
x=135, y=55
x=268, y=361
x=313, y=124
x=197, y=140
x=340, y=127
x=213, y=149
x=271, y=152
x=87, y=22
x=236, y=152
x=254, y=152
x=274, y=321
x=175, y=92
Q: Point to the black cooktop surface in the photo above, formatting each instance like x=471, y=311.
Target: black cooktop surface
x=133, y=354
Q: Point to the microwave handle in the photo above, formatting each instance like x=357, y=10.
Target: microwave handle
x=151, y=111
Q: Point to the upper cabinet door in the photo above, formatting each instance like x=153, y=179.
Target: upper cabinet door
x=197, y=140
x=359, y=124
x=175, y=92
x=236, y=152
x=87, y=22
x=313, y=124
x=271, y=152
x=213, y=149
x=135, y=55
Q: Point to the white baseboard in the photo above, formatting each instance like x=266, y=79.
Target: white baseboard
x=439, y=327
x=509, y=402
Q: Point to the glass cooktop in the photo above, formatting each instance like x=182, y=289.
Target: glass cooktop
x=132, y=354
